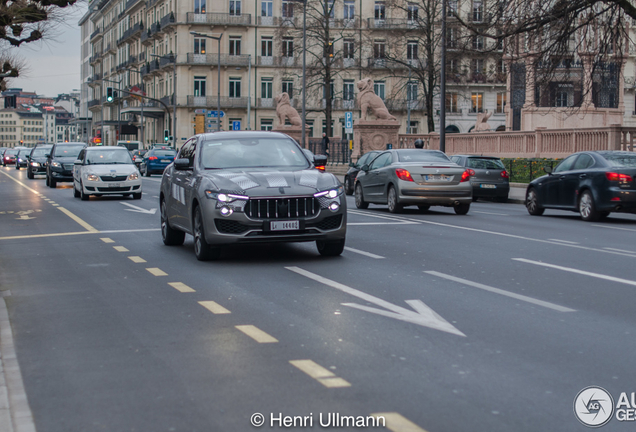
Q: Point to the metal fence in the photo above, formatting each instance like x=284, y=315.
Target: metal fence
x=525, y=170
x=339, y=152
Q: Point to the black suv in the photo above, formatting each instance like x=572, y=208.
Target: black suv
x=37, y=160
x=59, y=164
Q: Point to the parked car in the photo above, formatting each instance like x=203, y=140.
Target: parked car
x=488, y=176
x=9, y=156
x=354, y=169
x=404, y=177
x=107, y=170
x=244, y=187
x=59, y=164
x=22, y=158
x=593, y=183
x=37, y=160
x=156, y=160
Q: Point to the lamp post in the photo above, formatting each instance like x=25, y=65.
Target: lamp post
x=173, y=57
x=118, y=114
x=141, y=100
x=218, y=84
x=442, y=77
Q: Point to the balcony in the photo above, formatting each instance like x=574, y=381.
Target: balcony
x=478, y=16
x=168, y=100
x=155, y=31
x=345, y=23
x=213, y=59
x=93, y=103
x=212, y=101
x=392, y=24
x=167, y=61
x=95, y=58
x=96, y=33
x=377, y=63
x=151, y=3
x=394, y=105
x=265, y=103
x=219, y=19
x=145, y=38
x=344, y=104
x=130, y=4
x=167, y=21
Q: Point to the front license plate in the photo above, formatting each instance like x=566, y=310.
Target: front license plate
x=114, y=184
x=487, y=186
x=441, y=178
x=284, y=226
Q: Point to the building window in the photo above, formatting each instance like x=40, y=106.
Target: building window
x=478, y=11
x=199, y=86
x=347, y=90
x=411, y=50
x=349, y=10
x=199, y=45
x=411, y=91
x=266, y=47
x=412, y=12
x=378, y=88
x=561, y=99
x=412, y=128
x=310, y=125
x=452, y=6
x=380, y=11
x=478, y=42
x=235, y=46
x=288, y=9
x=266, y=88
x=379, y=49
x=235, y=87
x=199, y=6
x=288, y=87
x=267, y=124
x=235, y=7
x=451, y=38
x=267, y=8
x=330, y=7
x=477, y=101
x=324, y=128
x=288, y=47
x=478, y=66
x=348, y=48
x=501, y=102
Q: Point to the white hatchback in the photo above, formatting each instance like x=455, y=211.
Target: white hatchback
x=107, y=170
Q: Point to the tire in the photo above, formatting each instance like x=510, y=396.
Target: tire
x=83, y=196
x=146, y=172
x=475, y=198
x=17, y=166
x=76, y=193
x=52, y=184
x=423, y=207
x=393, y=202
x=532, y=203
x=202, y=250
x=347, y=186
x=462, y=209
x=360, y=202
x=30, y=175
x=330, y=248
x=171, y=237
x=137, y=195
x=587, y=208
x=47, y=179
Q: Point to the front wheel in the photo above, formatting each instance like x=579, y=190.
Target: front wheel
x=360, y=202
x=394, y=205
x=202, y=250
x=137, y=195
x=347, y=186
x=330, y=248
x=532, y=203
x=146, y=172
x=83, y=196
x=170, y=236
x=587, y=208
x=76, y=193
x=30, y=175
x=462, y=209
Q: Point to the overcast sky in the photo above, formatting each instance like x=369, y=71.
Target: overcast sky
x=53, y=66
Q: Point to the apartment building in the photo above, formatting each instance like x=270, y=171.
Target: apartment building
x=21, y=127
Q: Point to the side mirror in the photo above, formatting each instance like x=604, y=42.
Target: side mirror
x=365, y=168
x=182, y=164
x=320, y=160
x=548, y=169
x=77, y=162
x=351, y=164
x=47, y=155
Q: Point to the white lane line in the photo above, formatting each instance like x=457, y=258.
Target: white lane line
x=502, y=292
x=488, y=213
x=620, y=250
x=361, y=213
x=581, y=272
x=369, y=254
x=564, y=241
x=613, y=227
x=380, y=223
x=129, y=231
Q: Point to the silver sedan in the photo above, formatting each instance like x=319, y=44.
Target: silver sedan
x=418, y=177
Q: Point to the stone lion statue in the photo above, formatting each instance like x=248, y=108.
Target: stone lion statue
x=285, y=110
x=482, y=122
x=367, y=99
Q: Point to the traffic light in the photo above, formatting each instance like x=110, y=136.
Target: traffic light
x=109, y=94
x=166, y=135
x=330, y=50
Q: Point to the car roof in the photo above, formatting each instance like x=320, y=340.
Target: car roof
x=69, y=143
x=106, y=148
x=244, y=134
x=476, y=156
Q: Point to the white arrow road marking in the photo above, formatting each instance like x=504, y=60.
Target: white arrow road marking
x=502, y=292
x=139, y=209
x=423, y=315
x=581, y=272
x=24, y=215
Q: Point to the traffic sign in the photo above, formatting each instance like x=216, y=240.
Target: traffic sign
x=215, y=114
x=200, y=111
x=348, y=122
x=236, y=125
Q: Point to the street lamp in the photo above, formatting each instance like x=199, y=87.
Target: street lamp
x=442, y=78
x=141, y=100
x=218, y=84
x=172, y=57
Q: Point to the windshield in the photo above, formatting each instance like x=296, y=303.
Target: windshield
x=485, y=163
x=417, y=155
x=11, y=152
x=621, y=160
x=164, y=153
x=108, y=157
x=252, y=153
x=24, y=152
x=70, y=151
x=40, y=151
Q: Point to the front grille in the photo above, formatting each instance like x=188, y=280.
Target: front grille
x=113, y=189
x=68, y=167
x=225, y=226
x=330, y=223
x=282, y=208
x=113, y=179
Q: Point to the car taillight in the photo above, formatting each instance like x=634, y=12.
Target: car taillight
x=466, y=175
x=321, y=167
x=152, y=158
x=403, y=174
x=612, y=176
x=504, y=174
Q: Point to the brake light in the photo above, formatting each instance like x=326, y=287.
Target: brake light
x=612, y=176
x=466, y=175
x=152, y=158
x=504, y=174
x=320, y=167
x=403, y=174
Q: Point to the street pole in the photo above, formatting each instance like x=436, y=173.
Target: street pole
x=408, y=104
x=442, y=76
x=218, y=86
x=174, y=102
x=249, y=88
x=303, y=138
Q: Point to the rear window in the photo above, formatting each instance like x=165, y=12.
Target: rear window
x=40, y=151
x=485, y=163
x=621, y=160
x=170, y=153
x=418, y=155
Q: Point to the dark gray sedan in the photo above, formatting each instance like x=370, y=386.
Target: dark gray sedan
x=250, y=187
x=418, y=177
x=488, y=176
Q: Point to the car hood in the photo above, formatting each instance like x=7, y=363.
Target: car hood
x=120, y=169
x=272, y=183
x=64, y=160
x=40, y=159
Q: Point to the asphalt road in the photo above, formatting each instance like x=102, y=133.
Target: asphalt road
x=493, y=321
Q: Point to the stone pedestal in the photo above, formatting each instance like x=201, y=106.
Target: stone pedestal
x=294, y=132
x=373, y=135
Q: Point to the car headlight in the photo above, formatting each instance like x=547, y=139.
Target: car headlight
x=92, y=177
x=56, y=164
x=331, y=193
x=133, y=176
x=35, y=164
x=225, y=197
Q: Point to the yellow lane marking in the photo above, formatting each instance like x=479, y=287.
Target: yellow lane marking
x=214, y=307
x=319, y=373
x=180, y=286
x=77, y=219
x=136, y=259
x=120, y=249
x=107, y=240
x=157, y=272
x=257, y=334
x=397, y=423
x=44, y=235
